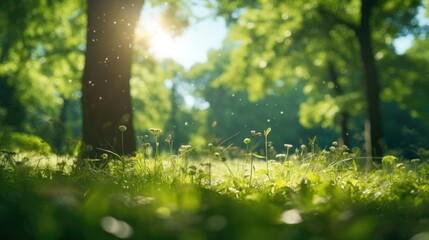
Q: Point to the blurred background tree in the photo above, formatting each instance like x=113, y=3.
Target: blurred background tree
x=331, y=43
x=230, y=112
x=41, y=63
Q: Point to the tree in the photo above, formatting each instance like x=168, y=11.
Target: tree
x=39, y=68
x=230, y=113
x=349, y=24
x=106, y=99
x=42, y=54
x=374, y=142
x=408, y=77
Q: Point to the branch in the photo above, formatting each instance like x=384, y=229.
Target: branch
x=337, y=19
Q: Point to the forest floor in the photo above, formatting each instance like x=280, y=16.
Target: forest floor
x=310, y=194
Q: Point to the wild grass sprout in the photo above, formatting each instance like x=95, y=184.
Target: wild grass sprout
x=183, y=152
x=104, y=156
x=144, y=151
x=122, y=129
x=415, y=162
x=7, y=158
x=281, y=157
x=266, y=132
x=156, y=132
x=169, y=142
x=247, y=153
x=287, y=146
x=253, y=134
x=209, y=164
x=223, y=158
x=303, y=149
x=388, y=163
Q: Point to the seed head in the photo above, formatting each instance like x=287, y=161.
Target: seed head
x=288, y=146
x=169, y=139
x=122, y=128
x=155, y=131
x=416, y=160
x=253, y=133
x=145, y=146
x=184, y=148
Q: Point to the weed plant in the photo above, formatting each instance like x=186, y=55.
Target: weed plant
x=309, y=193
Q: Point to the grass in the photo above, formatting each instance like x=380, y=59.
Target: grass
x=310, y=194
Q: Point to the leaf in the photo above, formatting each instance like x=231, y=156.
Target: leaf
x=113, y=153
x=388, y=159
x=266, y=132
x=314, y=177
x=280, y=183
x=355, y=167
x=312, y=141
x=234, y=190
x=258, y=156
x=261, y=172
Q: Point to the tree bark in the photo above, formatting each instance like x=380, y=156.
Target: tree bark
x=9, y=98
x=106, y=98
x=60, y=127
x=344, y=116
x=373, y=124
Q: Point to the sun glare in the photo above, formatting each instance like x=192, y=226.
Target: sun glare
x=164, y=46
x=161, y=43
x=189, y=47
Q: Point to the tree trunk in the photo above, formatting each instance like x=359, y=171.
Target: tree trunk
x=344, y=116
x=174, y=111
x=9, y=98
x=60, y=128
x=106, y=99
x=373, y=124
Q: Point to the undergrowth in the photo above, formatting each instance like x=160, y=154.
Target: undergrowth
x=309, y=193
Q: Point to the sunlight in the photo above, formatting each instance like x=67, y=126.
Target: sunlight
x=186, y=49
x=161, y=43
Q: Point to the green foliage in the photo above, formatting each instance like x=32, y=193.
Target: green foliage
x=21, y=142
x=278, y=44
x=316, y=193
x=150, y=95
x=41, y=51
x=228, y=112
